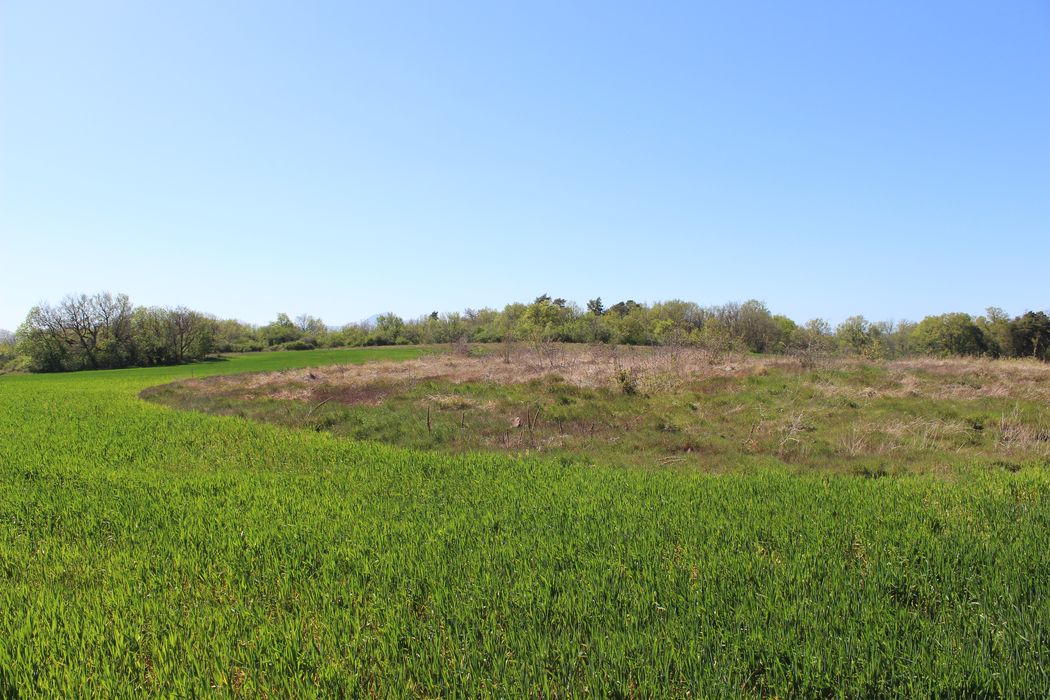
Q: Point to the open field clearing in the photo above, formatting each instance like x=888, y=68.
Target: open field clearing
x=150, y=550
x=664, y=406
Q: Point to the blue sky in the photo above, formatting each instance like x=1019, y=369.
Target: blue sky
x=244, y=158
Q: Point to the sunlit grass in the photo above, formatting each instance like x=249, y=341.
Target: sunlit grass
x=145, y=550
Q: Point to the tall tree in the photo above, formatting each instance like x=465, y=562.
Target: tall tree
x=1031, y=335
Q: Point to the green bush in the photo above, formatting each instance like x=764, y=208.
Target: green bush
x=949, y=334
x=627, y=381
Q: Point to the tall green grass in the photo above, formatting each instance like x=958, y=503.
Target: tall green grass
x=149, y=551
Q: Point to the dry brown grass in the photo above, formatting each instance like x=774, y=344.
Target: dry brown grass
x=949, y=379
x=654, y=369
x=889, y=436
x=665, y=405
x=1017, y=436
x=974, y=378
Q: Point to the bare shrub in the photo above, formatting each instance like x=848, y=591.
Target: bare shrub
x=792, y=434
x=461, y=347
x=548, y=351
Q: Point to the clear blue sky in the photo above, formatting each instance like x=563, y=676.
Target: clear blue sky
x=830, y=158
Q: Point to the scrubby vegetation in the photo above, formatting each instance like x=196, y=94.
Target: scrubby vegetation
x=8, y=352
x=146, y=550
x=665, y=406
x=106, y=331
x=103, y=331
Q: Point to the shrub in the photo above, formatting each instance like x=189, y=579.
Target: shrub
x=627, y=381
x=302, y=344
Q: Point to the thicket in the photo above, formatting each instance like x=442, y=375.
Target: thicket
x=102, y=331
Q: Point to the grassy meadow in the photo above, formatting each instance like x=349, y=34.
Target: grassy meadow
x=662, y=407
x=147, y=550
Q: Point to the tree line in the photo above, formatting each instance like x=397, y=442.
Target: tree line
x=106, y=331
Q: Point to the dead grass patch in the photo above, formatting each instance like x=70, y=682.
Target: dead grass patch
x=655, y=370
x=965, y=379
x=664, y=406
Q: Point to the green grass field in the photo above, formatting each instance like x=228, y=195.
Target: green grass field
x=145, y=550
